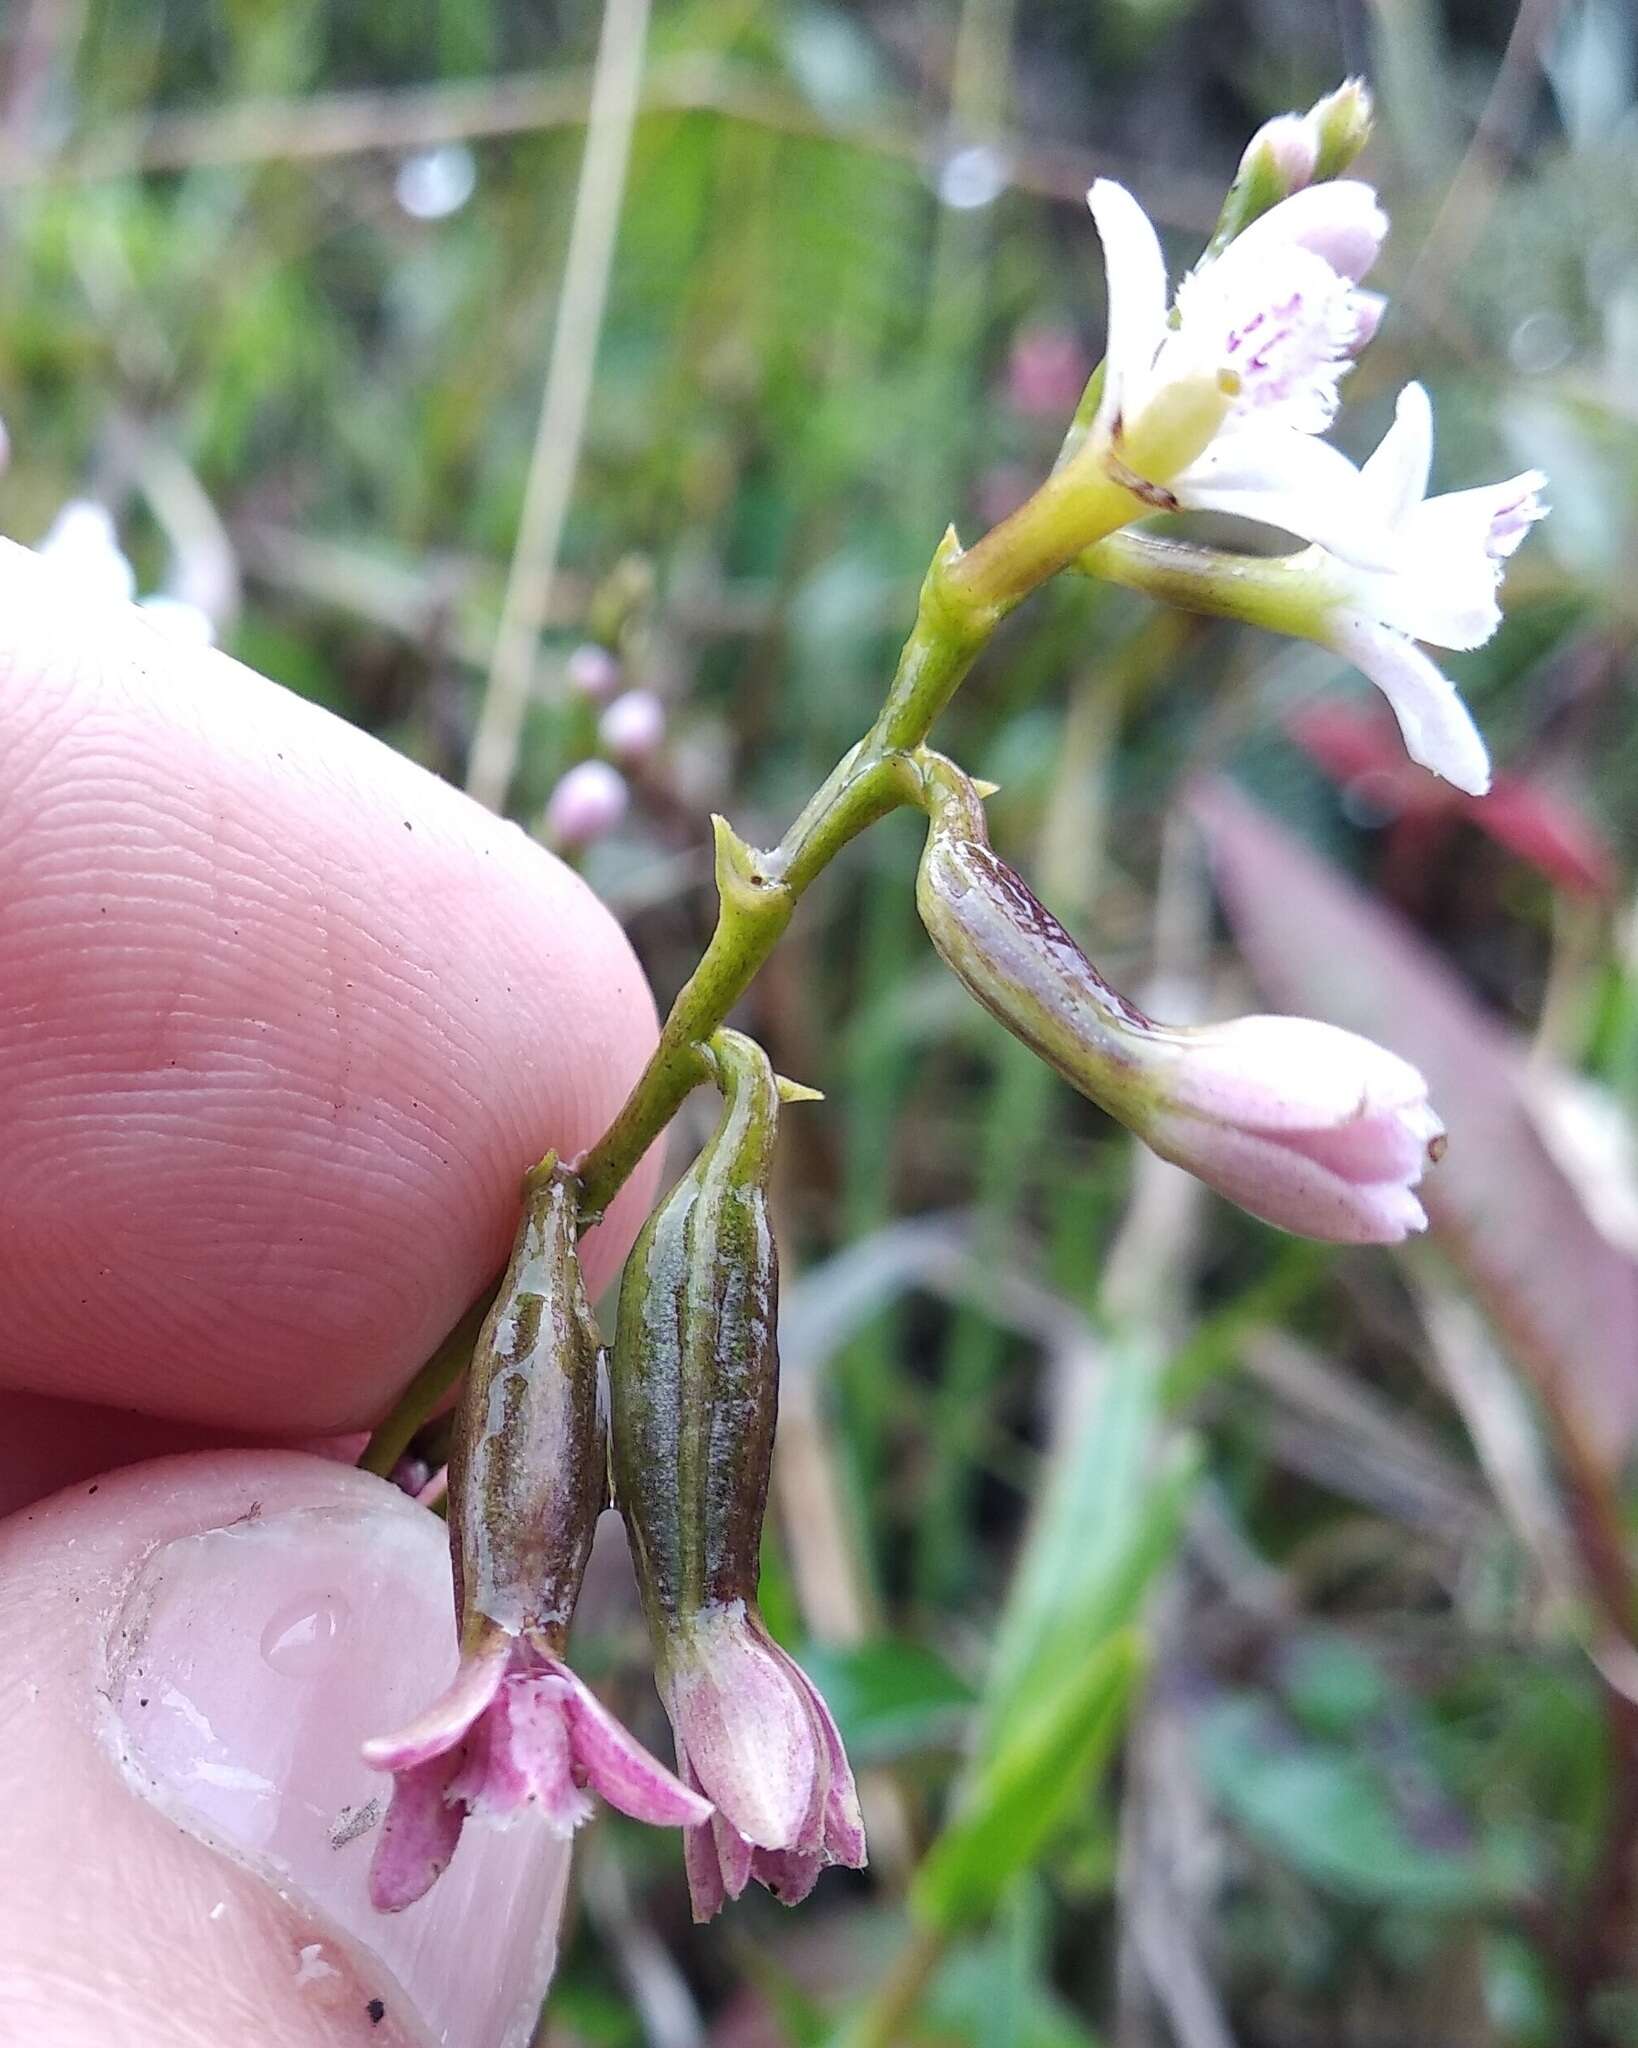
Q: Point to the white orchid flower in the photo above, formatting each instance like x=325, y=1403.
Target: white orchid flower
x=1214, y=404
x=1453, y=551
x=1450, y=553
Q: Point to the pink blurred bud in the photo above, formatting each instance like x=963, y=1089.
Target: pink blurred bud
x=587, y=804
x=517, y=1730
x=754, y=1735
x=632, y=727
x=592, y=671
x=1047, y=371
x=1303, y=1124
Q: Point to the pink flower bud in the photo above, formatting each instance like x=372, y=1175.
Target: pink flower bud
x=632, y=727
x=1290, y=142
x=592, y=671
x=587, y=804
x=516, y=1731
x=1303, y=1124
x=754, y=1735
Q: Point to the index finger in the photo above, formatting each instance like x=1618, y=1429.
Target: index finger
x=283, y=1018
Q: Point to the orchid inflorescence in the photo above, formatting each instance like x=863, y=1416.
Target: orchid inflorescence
x=1214, y=398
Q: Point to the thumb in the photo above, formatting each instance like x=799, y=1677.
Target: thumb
x=191, y=1652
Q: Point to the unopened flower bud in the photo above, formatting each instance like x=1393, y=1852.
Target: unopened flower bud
x=587, y=804
x=1342, y=123
x=517, y=1730
x=1291, y=152
x=632, y=727
x=1302, y=1124
x=1290, y=145
x=592, y=671
x=695, y=1390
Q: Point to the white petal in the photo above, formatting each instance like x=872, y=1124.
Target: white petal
x=1397, y=474
x=1339, y=220
x=1289, y=480
x=1135, y=277
x=1491, y=519
x=1438, y=728
x=1447, y=604
x=1369, y=308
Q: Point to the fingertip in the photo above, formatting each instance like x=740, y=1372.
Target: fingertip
x=284, y=1019
x=195, y=1650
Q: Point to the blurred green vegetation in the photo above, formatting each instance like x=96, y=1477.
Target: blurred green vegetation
x=1304, y=1719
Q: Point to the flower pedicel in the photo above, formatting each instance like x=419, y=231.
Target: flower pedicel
x=696, y=1388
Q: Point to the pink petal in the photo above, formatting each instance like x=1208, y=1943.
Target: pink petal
x=744, y=1727
x=447, y=1720
x=521, y=1759
x=618, y=1767
x=844, y=1835
x=706, y=1895
x=787, y=1873
x=733, y=1855
x=417, y=1837
x=1374, y=1148
x=1270, y=1179
x=1339, y=220
x=1282, y=1074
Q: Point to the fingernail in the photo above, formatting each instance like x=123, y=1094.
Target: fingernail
x=248, y=1664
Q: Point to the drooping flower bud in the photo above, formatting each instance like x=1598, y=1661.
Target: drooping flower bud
x=1302, y=1124
x=517, y=1730
x=587, y=804
x=695, y=1390
x=632, y=727
x=592, y=671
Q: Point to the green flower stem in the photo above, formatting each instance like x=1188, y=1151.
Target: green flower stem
x=425, y=1393
x=1292, y=594
x=759, y=891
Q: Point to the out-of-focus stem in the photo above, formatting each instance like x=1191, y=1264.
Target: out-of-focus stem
x=883, y=2022
x=564, y=400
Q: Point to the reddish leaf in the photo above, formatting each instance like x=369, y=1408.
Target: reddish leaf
x=1563, y=1296
x=1522, y=812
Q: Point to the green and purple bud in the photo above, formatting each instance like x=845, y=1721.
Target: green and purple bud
x=1293, y=151
x=695, y=1389
x=517, y=1731
x=1307, y=1126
